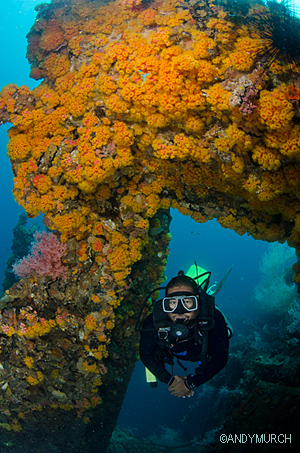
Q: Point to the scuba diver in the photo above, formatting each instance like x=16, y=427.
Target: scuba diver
x=185, y=325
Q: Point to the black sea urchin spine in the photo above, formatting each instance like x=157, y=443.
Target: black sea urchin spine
x=280, y=28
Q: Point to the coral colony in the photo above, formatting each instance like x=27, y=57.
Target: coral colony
x=44, y=259
x=142, y=106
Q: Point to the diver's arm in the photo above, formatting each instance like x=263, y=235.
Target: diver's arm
x=148, y=348
x=218, y=350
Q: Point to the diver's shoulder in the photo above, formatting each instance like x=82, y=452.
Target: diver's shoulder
x=219, y=316
x=148, y=323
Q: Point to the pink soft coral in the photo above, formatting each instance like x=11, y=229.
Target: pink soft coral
x=44, y=259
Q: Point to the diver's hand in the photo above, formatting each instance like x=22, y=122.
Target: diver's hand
x=179, y=389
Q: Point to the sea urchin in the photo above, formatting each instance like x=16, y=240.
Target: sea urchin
x=279, y=27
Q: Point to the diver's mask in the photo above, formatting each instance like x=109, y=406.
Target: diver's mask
x=180, y=303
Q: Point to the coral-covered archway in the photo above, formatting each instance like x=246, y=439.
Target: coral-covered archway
x=143, y=106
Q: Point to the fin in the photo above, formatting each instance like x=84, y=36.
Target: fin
x=216, y=287
x=196, y=270
x=150, y=378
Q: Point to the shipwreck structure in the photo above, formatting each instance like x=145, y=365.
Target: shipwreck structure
x=142, y=106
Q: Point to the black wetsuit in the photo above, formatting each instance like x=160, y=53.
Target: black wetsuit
x=154, y=354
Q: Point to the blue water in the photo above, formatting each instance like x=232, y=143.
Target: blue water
x=214, y=248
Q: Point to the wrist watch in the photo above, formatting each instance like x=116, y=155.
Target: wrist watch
x=171, y=381
x=189, y=384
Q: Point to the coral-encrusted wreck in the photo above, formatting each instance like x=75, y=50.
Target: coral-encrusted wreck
x=142, y=106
